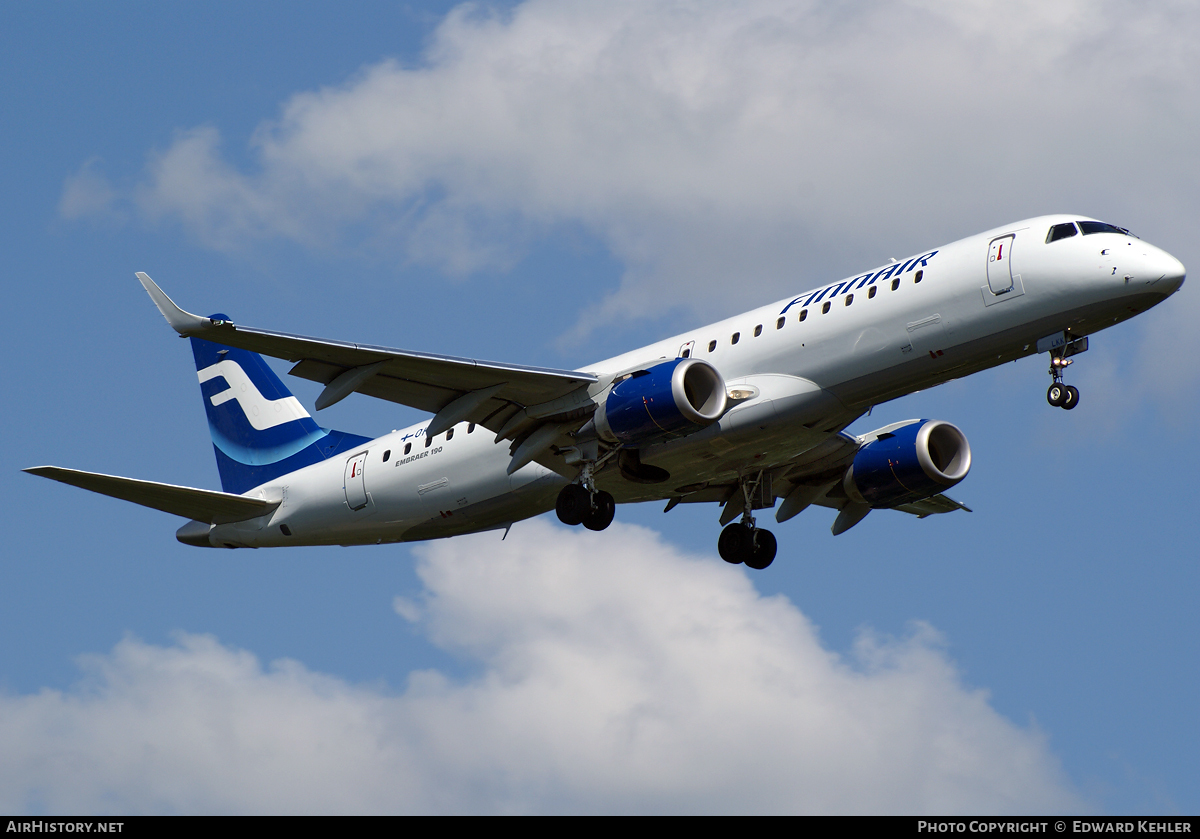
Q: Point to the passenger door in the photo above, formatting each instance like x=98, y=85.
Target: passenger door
x=355, y=485
x=999, y=265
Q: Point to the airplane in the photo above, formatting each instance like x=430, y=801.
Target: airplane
x=748, y=413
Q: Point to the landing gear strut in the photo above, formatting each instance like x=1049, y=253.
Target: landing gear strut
x=582, y=504
x=742, y=541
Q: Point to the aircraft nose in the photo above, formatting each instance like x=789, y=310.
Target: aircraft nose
x=1172, y=270
x=1157, y=269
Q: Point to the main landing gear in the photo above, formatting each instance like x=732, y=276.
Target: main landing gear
x=583, y=504
x=1060, y=395
x=742, y=541
x=594, y=510
x=746, y=543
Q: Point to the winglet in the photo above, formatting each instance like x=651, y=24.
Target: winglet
x=185, y=323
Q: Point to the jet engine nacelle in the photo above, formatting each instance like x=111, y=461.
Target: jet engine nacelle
x=908, y=463
x=670, y=399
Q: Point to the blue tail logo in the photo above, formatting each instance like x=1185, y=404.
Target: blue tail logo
x=259, y=430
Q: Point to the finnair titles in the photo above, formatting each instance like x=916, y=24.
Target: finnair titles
x=747, y=414
x=846, y=286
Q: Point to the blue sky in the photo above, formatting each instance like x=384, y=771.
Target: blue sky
x=553, y=183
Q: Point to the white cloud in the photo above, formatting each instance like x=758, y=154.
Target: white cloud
x=614, y=675
x=191, y=181
x=721, y=151
x=87, y=193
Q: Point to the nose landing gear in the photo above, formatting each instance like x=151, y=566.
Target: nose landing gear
x=742, y=541
x=1060, y=395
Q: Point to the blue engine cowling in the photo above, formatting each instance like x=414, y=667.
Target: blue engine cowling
x=669, y=399
x=908, y=463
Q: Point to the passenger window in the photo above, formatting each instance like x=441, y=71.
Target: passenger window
x=849, y=299
x=803, y=314
x=386, y=455
x=917, y=278
x=450, y=434
x=871, y=293
x=825, y=308
x=712, y=345
x=758, y=330
x=779, y=323
x=895, y=284
x=737, y=336
x=407, y=448
x=1061, y=231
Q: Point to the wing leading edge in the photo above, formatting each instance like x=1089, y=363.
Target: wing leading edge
x=487, y=393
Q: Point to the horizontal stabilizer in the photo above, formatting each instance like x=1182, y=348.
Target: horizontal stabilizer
x=201, y=504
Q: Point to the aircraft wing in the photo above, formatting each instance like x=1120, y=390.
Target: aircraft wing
x=812, y=477
x=201, y=504
x=487, y=393
x=933, y=504
x=925, y=507
x=829, y=461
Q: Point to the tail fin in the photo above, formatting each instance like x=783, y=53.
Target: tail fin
x=259, y=430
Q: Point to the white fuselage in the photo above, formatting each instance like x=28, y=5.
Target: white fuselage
x=804, y=367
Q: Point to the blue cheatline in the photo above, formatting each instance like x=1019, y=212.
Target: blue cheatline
x=259, y=430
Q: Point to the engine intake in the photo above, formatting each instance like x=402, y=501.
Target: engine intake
x=908, y=464
x=674, y=398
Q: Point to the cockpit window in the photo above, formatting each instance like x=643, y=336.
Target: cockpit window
x=1060, y=231
x=1089, y=227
